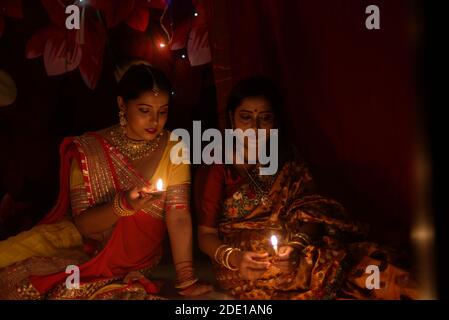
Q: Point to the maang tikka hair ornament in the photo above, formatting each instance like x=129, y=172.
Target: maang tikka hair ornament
x=155, y=89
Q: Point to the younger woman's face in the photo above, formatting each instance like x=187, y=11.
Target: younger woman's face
x=146, y=115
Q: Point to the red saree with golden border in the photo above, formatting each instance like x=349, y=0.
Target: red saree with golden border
x=134, y=243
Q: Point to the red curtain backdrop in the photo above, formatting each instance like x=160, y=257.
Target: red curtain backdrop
x=349, y=93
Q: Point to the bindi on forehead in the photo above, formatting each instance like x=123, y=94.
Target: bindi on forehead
x=255, y=110
x=255, y=107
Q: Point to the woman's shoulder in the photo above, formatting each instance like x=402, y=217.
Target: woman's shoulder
x=175, y=140
x=88, y=140
x=172, y=139
x=296, y=168
x=104, y=134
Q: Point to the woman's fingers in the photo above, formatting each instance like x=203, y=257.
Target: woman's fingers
x=139, y=192
x=284, y=253
x=145, y=189
x=283, y=250
x=255, y=260
x=133, y=193
x=258, y=265
x=150, y=197
x=145, y=199
x=255, y=255
x=282, y=264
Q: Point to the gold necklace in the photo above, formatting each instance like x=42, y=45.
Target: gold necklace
x=263, y=193
x=133, y=149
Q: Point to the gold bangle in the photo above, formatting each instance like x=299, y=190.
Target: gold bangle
x=186, y=284
x=296, y=244
x=118, y=209
x=226, y=260
x=223, y=254
x=227, y=265
x=216, y=252
x=302, y=236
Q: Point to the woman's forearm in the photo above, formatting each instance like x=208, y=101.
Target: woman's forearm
x=179, y=226
x=96, y=220
x=209, y=242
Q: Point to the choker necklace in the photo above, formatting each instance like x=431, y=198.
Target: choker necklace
x=133, y=149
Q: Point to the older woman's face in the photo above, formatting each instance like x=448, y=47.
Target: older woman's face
x=254, y=113
x=146, y=116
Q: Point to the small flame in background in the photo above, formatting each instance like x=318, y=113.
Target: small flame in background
x=159, y=185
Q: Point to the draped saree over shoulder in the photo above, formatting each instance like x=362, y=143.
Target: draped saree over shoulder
x=134, y=243
x=332, y=267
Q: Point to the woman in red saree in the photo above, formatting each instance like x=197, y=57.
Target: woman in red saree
x=320, y=254
x=110, y=221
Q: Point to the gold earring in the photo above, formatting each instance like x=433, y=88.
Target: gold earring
x=122, y=118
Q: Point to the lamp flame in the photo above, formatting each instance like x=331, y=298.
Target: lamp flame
x=159, y=185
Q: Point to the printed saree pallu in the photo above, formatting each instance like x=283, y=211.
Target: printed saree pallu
x=332, y=267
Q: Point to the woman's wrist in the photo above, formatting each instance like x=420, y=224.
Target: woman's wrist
x=235, y=258
x=126, y=203
x=299, y=239
x=185, y=275
x=119, y=207
x=227, y=256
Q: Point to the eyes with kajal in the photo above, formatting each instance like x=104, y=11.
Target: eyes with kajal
x=263, y=118
x=162, y=112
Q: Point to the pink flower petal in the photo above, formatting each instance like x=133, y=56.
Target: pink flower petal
x=36, y=44
x=198, y=48
x=92, y=61
x=90, y=71
x=181, y=34
x=59, y=58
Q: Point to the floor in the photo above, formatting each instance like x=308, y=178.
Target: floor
x=165, y=272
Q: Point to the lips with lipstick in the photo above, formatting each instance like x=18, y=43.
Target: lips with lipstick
x=151, y=130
